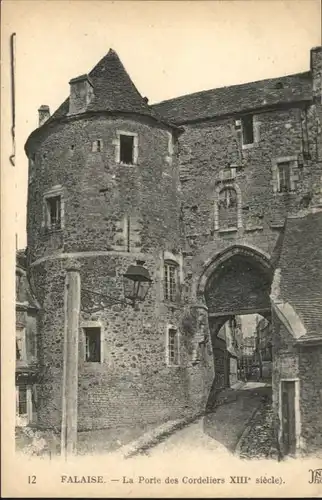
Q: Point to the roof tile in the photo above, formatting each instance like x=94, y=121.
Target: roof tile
x=113, y=90
x=235, y=98
x=301, y=269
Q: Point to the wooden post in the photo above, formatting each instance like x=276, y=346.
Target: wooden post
x=70, y=365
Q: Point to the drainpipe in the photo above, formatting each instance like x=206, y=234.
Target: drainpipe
x=70, y=364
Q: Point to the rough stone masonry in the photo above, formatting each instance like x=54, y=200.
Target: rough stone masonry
x=192, y=186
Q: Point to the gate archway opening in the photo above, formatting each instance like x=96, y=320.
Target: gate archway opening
x=235, y=285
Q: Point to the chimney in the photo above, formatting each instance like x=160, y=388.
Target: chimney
x=43, y=114
x=81, y=94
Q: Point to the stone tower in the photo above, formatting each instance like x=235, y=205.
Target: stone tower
x=104, y=192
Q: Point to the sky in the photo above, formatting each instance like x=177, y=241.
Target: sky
x=168, y=48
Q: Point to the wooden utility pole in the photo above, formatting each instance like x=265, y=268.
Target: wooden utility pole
x=70, y=365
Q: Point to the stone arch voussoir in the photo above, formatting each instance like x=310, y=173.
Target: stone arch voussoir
x=209, y=266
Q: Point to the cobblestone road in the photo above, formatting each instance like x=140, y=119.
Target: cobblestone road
x=220, y=431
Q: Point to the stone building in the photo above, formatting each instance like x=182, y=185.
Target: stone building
x=297, y=334
x=199, y=188
x=26, y=346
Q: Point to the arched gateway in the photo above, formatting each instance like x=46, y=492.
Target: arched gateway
x=236, y=282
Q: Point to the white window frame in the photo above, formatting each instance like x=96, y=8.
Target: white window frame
x=168, y=361
x=249, y=144
x=239, y=129
x=279, y=177
x=298, y=443
x=93, y=324
x=53, y=193
x=169, y=257
x=24, y=419
x=293, y=161
x=22, y=335
x=166, y=283
x=117, y=144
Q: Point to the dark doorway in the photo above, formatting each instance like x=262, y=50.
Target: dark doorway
x=288, y=417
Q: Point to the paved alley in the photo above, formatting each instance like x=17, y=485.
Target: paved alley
x=219, y=431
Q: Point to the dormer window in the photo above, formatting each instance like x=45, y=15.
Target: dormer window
x=81, y=94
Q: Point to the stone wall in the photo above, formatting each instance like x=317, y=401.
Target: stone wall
x=208, y=150
x=133, y=384
x=98, y=192
x=303, y=364
x=26, y=315
x=310, y=373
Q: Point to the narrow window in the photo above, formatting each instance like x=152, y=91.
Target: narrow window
x=97, y=146
x=247, y=129
x=170, y=281
x=289, y=416
x=18, y=284
x=53, y=212
x=21, y=344
x=22, y=400
x=284, y=177
x=127, y=149
x=92, y=344
x=24, y=405
x=128, y=233
x=227, y=208
x=173, y=347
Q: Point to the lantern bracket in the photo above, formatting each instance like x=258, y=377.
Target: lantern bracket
x=103, y=301
x=136, y=275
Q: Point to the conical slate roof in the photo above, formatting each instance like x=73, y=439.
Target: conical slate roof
x=113, y=90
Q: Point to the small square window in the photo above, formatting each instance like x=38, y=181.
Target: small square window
x=237, y=124
x=284, y=177
x=92, y=344
x=127, y=149
x=247, y=129
x=53, y=205
x=97, y=146
x=173, y=347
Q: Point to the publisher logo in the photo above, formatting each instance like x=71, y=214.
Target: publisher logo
x=315, y=476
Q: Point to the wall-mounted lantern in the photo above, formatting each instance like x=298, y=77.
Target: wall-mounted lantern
x=136, y=282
